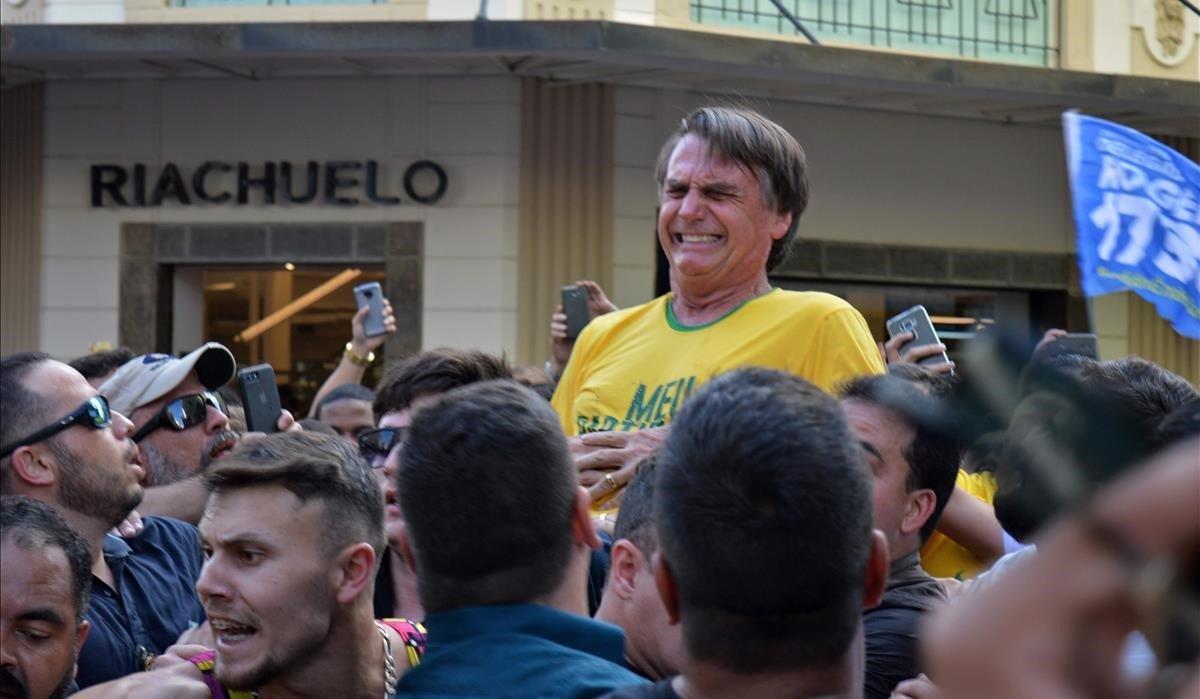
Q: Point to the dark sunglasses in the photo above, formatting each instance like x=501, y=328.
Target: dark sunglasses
x=379, y=442
x=94, y=413
x=183, y=412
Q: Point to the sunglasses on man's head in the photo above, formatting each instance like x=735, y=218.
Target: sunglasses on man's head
x=93, y=413
x=184, y=412
x=379, y=442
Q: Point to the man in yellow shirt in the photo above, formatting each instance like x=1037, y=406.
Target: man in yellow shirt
x=732, y=185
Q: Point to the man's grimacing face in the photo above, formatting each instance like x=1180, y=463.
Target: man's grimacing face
x=713, y=223
x=266, y=585
x=39, y=638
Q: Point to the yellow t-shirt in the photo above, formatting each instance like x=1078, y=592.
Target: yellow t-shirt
x=632, y=369
x=941, y=557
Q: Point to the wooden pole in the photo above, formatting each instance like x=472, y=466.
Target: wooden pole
x=344, y=277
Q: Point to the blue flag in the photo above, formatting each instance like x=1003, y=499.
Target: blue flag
x=1137, y=216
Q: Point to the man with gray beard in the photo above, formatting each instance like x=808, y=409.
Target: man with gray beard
x=181, y=423
x=62, y=444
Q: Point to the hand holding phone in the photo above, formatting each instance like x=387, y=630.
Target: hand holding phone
x=575, y=306
x=1084, y=344
x=260, y=397
x=916, y=322
x=370, y=296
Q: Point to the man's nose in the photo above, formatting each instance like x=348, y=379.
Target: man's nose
x=211, y=583
x=215, y=420
x=122, y=427
x=691, y=207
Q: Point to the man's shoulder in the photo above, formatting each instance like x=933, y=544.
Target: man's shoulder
x=623, y=317
x=166, y=536
x=658, y=690
x=814, y=304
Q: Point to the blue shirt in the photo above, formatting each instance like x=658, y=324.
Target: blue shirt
x=518, y=650
x=155, y=599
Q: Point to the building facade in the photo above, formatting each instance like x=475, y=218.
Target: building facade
x=175, y=172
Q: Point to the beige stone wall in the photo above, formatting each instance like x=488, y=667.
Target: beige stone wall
x=161, y=11
x=1163, y=38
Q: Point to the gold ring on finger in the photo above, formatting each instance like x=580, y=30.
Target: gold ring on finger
x=612, y=482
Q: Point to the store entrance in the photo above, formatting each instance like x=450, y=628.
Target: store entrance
x=295, y=318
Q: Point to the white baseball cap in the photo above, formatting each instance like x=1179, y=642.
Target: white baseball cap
x=149, y=377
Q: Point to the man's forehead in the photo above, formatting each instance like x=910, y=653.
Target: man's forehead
x=704, y=162
x=263, y=511
x=37, y=575
x=56, y=382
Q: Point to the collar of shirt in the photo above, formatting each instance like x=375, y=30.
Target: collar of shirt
x=571, y=630
x=115, y=547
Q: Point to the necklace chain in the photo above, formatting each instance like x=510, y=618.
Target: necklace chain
x=389, y=663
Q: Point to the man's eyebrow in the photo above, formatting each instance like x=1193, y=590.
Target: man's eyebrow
x=45, y=614
x=870, y=448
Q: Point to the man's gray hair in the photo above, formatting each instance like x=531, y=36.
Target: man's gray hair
x=747, y=138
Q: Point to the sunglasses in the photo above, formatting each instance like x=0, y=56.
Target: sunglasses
x=184, y=412
x=94, y=413
x=379, y=442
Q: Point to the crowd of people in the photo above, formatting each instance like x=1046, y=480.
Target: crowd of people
x=729, y=491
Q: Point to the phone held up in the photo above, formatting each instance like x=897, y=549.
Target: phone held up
x=916, y=321
x=1084, y=344
x=370, y=295
x=260, y=397
x=575, y=306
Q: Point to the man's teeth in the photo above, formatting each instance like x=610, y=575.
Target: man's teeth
x=229, y=630
x=699, y=238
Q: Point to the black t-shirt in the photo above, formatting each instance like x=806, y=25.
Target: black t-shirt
x=658, y=690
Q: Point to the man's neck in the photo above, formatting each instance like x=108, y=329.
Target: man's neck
x=349, y=664
x=93, y=532
x=571, y=594
x=614, y=613
x=696, y=305
x=406, y=598
x=705, y=681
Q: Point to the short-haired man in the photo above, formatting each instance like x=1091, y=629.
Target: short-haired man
x=347, y=409
x=500, y=536
x=913, y=471
x=98, y=366
x=290, y=531
x=64, y=446
x=731, y=186
x=44, y=585
x=766, y=551
x=653, y=645
x=181, y=424
x=407, y=384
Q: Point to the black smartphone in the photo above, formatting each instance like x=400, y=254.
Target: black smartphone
x=371, y=296
x=260, y=397
x=1076, y=343
x=916, y=321
x=575, y=305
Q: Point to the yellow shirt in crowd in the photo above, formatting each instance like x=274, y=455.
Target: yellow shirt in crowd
x=941, y=557
x=633, y=369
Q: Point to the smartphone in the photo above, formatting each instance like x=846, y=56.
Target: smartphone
x=916, y=321
x=1076, y=343
x=575, y=305
x=260, y=397
x=371, y=296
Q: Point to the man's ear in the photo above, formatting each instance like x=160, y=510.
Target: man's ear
x=81, y=634
x=877, y=570
x=627, y=561
x=917, y=510
x=668, y=592
x=35, y=466
x=783, y=222
x=355, y=571
x=581, y=521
